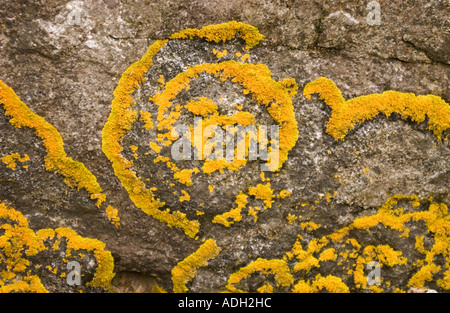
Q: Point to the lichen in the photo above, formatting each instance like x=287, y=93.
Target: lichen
x=19, y=242
x=75, y=173
x=118, y=124
x=276, y=267
x=330, y=283
x=223, y=32
x=186, y=269
x=346, y=115
x=10, y=160
x=113, y=215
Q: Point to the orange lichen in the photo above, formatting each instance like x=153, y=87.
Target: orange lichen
x=234, y=214
x=105, y=263
x=185, y=196
x=186, y=269
x=276, y=267
x=262, y=192
x=330, y=283
x=256, y=79
x=75, y=173
x=346, y=115
x=113, y=216
x=223, y=32
x=203, y=106
x=10, y=160
x=19, y=242
x=146, y=118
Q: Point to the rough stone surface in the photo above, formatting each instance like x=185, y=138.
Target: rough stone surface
x=67, y=74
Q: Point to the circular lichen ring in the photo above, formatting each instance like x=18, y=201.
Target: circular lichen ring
x=256, y=81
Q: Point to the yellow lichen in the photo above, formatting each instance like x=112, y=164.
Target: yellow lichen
x=328, y=255
x=10, y=160
x=118, y=124
x=75, y=173
x=276, y=267
x=234, y=214
x=186, y=269
x=346, y=115
x=105, y=263
x=113, y=216
x=203, y=106
x=146, y=118
x=330, y=283
x=185, y=196
x=19, y=242
x=223, y=32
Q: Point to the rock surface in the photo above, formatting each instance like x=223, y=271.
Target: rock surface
x=64, y=60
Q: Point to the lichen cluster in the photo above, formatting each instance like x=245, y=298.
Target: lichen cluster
x=10, y=160
x=346, y=115
x=19, y=245
x=341, y=248
x=255, y=81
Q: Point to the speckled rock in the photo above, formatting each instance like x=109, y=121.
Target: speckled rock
x=64, y=59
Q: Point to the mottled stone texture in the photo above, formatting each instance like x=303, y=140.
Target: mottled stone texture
x=67, y=74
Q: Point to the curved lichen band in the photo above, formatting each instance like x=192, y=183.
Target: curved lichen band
x=75, y=173
x=346, y=114
x=186, y=269
x=223, y=32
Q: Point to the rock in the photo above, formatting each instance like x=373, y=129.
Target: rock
x=380, y=194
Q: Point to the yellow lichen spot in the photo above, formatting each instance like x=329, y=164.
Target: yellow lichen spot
x=309, y=226
x=291, y=218
x=155, y=147
x=134, y=149
x=245, y=57
x=234, y=214
x=185, y=196
x=238, y=106
x=330, y=283
x=186, y=269
x=10, y=160
x=223, y=32
x=266, y=288
x=262, y=192
x=146, y=118
x=185, y=176
x=113, y=216
x=253, y=212
x=211, y=188
x=283, y=194
x=328, y=255
x=221, y=54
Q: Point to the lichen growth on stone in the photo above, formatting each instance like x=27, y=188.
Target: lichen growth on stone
x=19, y=243
x=186, y=269
x=346, y=115
x=10, y=160
x=278, y=268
